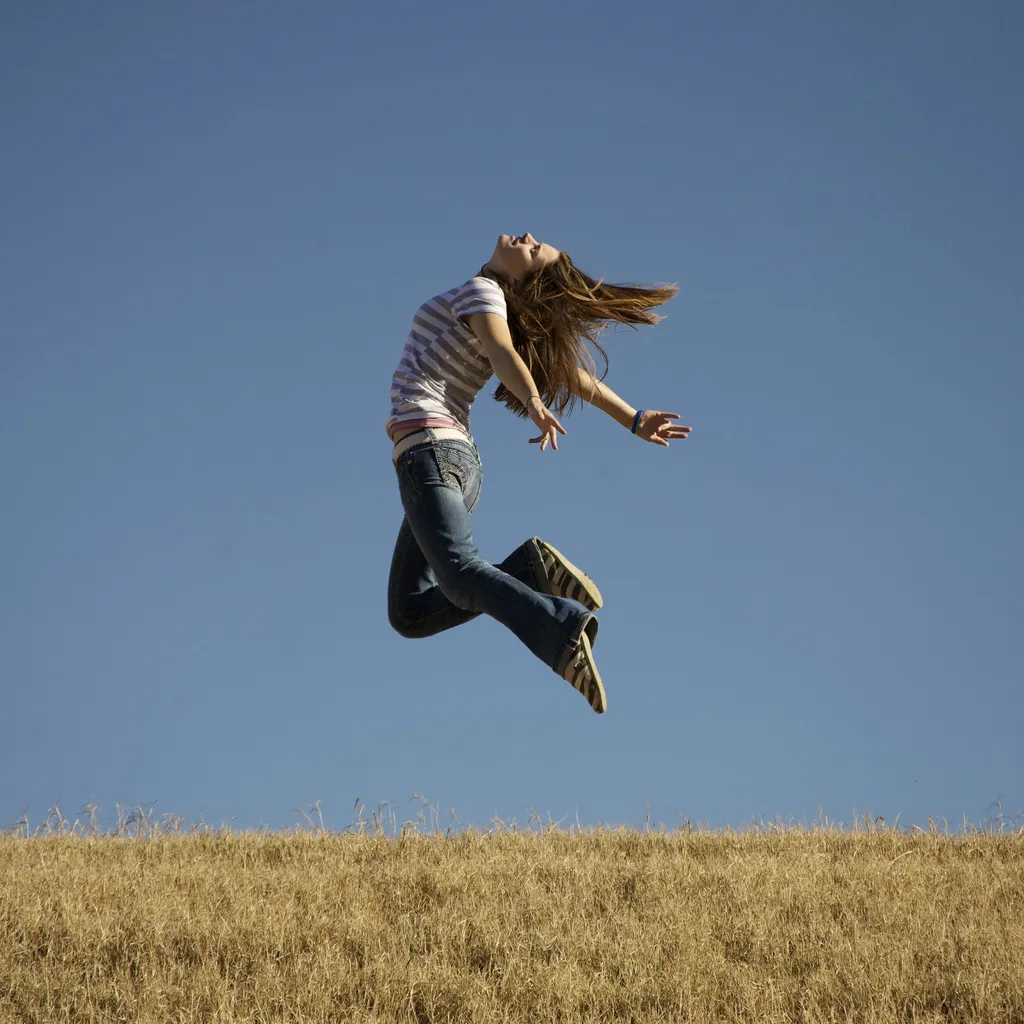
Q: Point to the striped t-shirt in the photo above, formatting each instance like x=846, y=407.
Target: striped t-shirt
x=443, y=366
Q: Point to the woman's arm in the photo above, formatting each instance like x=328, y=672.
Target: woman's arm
x=656, y=427
x=594, y=392
x=506, y=362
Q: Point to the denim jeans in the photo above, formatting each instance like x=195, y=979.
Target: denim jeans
x=438, y=579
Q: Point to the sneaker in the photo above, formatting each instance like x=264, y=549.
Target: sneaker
x=565, y=580
x=582, y=672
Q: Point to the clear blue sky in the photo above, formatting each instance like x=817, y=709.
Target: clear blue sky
x=217, y=223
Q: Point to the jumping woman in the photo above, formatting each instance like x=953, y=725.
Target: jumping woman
x=526, y=317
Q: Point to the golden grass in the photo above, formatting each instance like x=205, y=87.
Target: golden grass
x=767, y=925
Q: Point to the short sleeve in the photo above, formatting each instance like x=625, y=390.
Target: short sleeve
x=480, y=295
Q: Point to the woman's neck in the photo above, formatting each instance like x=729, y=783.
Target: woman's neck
x=488, y=271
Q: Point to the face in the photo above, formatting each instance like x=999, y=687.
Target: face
x=518, y=256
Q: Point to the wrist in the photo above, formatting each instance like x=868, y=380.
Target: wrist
x=636, y=420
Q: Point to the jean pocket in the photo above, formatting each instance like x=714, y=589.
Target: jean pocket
x=454, y=466
x=476, y=486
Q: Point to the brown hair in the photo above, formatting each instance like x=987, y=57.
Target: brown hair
x=552, y=315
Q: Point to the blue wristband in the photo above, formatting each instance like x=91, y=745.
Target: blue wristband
x=636, y=419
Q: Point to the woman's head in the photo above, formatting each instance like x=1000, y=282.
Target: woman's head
x=515, y=257
x=554, y=309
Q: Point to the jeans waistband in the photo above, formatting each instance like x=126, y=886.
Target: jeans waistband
x=425, y=436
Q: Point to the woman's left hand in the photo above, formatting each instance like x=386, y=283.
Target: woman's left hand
x=658, y=428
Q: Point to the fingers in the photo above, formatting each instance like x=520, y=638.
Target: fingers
x=663, y=422
x=551, y=425
x=544, y=439
x=551, y=429
x=660, y=429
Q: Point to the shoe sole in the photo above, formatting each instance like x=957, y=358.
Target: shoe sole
x=582, y=585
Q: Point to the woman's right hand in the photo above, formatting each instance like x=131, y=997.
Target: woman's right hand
x=545, y=420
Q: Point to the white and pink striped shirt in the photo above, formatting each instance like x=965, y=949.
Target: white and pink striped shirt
x=443, y=365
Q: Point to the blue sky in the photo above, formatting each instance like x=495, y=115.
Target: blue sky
x=218, y=221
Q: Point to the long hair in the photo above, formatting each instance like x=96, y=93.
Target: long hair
x=554, y=313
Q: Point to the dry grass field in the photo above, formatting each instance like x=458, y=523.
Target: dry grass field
x=768, y=925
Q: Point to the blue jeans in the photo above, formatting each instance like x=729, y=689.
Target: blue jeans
x=438, y=579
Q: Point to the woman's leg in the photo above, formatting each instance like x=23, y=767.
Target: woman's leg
x=439, y=484
x=418, y=607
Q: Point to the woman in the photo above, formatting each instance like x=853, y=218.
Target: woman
x=526, y=317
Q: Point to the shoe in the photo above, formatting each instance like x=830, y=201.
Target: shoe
x=582, y=672
x=565, y=580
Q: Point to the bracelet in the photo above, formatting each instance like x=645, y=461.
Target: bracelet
x=636, y=419
x=531, y=398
